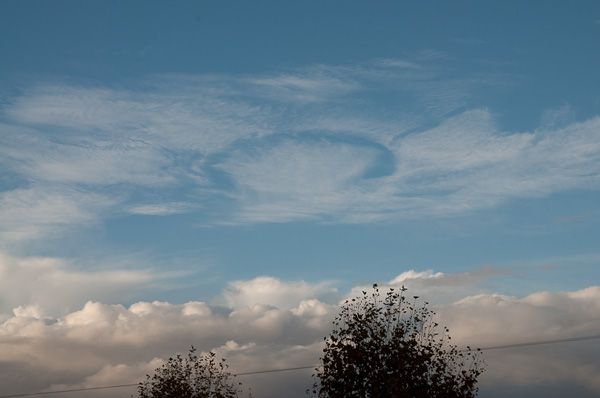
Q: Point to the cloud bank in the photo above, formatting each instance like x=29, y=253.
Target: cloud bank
x=269, y=324
x=42, y=286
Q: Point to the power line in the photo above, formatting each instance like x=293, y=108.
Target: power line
x=532, y=343
x=137, y=384
x=272, y=371
x=72, y=390
x=497, y=347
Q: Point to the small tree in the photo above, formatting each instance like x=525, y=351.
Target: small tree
x=391, y=348
x=191, y=377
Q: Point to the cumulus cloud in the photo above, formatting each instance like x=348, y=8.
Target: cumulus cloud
x=438, y=287
x=103, y=344
x=272, y=291
x=491, y=320
x=36, y=287
x=538, y=316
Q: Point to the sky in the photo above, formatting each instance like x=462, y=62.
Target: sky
x=225, y=174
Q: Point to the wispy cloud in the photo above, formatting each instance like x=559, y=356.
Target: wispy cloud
x=570, y=219
x=84, y=160
x=312, y=143
x=558, y=117
x=462, y=165
x=317, y=85
x=163, y=209
x=36, y=212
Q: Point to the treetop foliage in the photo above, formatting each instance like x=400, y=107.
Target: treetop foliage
x=191, y=377
x=390, y=347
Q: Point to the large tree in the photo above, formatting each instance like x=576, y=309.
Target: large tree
x=191, y=377
x=390, y=347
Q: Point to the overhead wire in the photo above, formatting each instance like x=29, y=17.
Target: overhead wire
x=532, y=343
x=66, y=391
x=497, y=347
x=273, y=370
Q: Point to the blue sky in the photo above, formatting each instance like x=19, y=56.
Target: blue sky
x=273, y=153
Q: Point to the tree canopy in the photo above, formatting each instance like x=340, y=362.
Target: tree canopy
x=390, y=347
x=191, y=377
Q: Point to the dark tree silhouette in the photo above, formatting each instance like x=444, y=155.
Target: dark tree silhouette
x=389, y=347
x=191, y=377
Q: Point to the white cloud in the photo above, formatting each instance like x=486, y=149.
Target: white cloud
x=300, y=169
x=107, y=343
x=491, y=320
x=253, y=141
x=40, y=287
x=318, y=85
x=412, y=274
x=438, y=287
x=30, y=213
x=462, y=165
x=271, y=291
x=558, y=117
x=104, y=344
x=475, y=166
x=163, y=209
x=297, y=178
x=398, y=63
x=185, y=115
x=90, y=163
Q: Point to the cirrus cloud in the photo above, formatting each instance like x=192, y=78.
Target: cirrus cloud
x=336, y=158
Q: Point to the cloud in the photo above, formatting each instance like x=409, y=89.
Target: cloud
x=463, y=165
x=41, y=287
x=480, y=167
x=85, y=162
x=30, y=213
x=303, y=178
x=271, y=291
x=558, y=117
x=181, y=115
x=102, y=344
x=398, y=63
x=313, y=143
x=163, y=209
x=412, y=275
x=570, y=219
x=491, y=320
x=538, y=316
x=317, y=86
x=300, y=169
x=438, y=287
